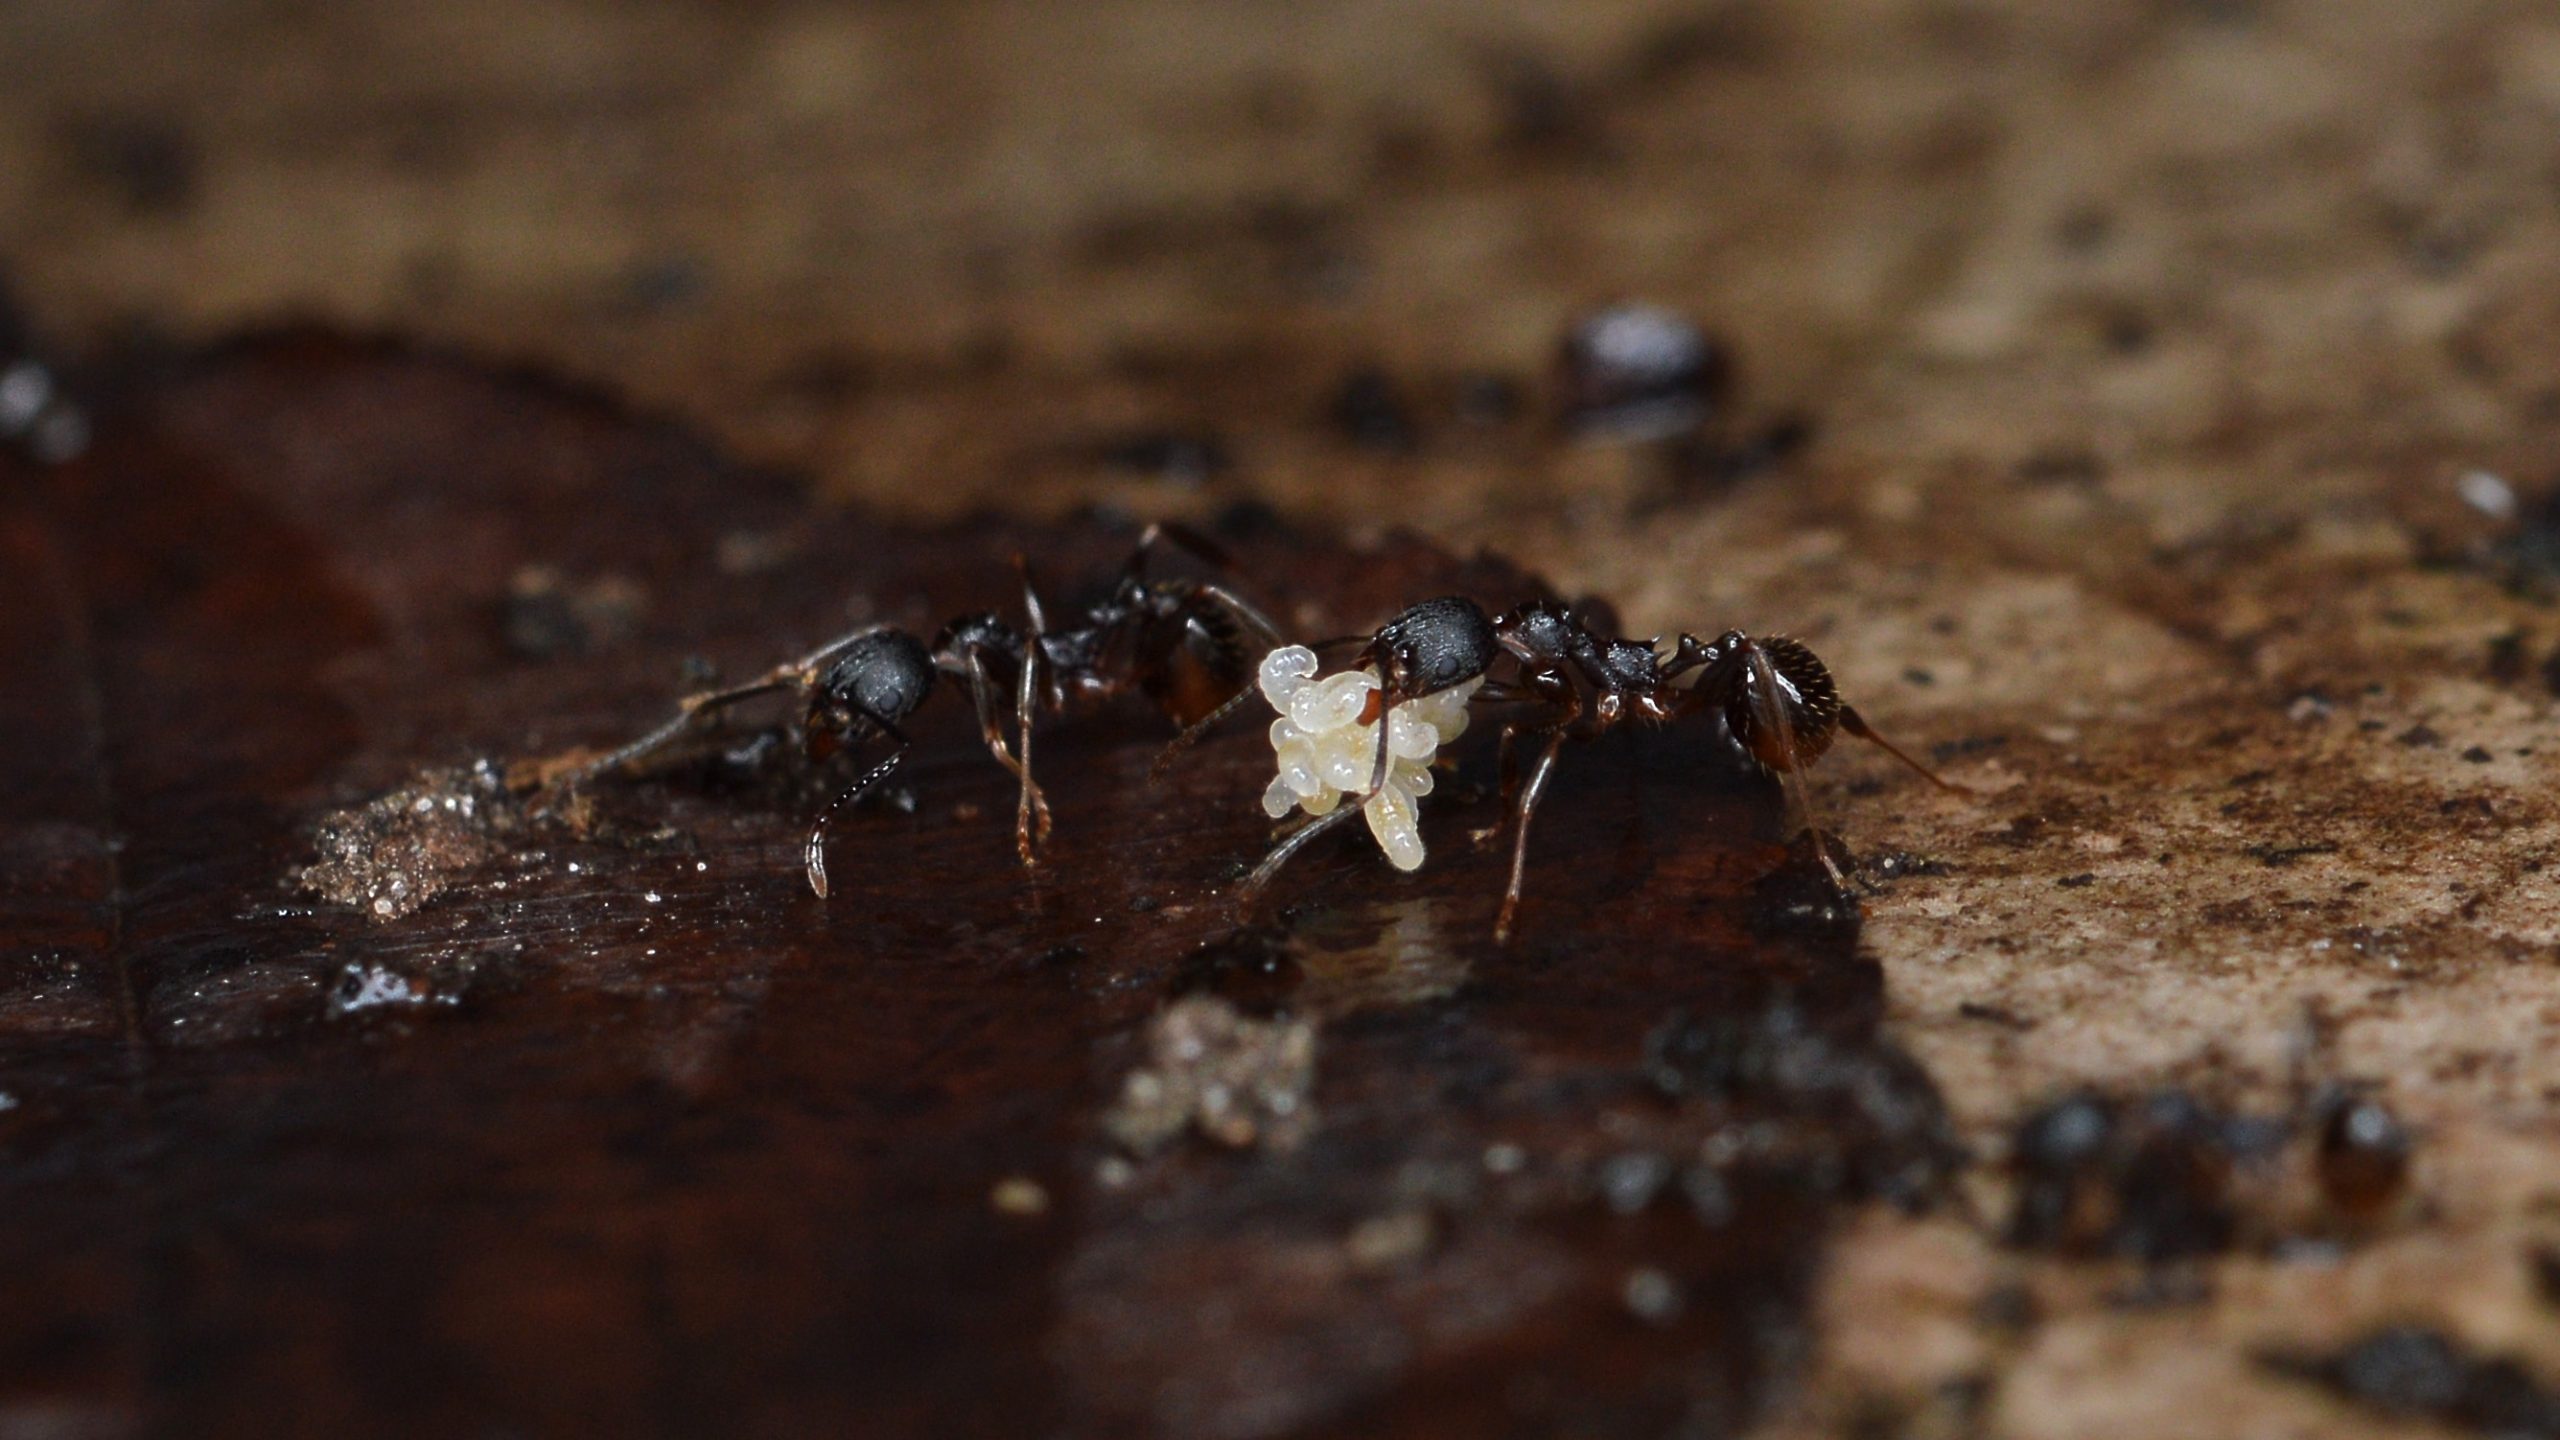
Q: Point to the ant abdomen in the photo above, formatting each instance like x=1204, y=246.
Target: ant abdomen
x=1794, y=724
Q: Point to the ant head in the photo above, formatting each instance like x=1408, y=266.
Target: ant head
x=981, y=634
x=1803, y=696
x=876, y=681
x=1433, y=646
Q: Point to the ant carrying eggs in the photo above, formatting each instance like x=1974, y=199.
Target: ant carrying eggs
x=1326, y=740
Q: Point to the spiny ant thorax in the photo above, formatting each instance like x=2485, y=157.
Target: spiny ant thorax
x=982, y=634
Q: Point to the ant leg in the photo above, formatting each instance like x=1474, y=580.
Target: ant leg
x=1773, y=713
x=1520, y=835
x=1190, y=734
x=1296, y=841
x=787, y=676
x=1031, y=811
x=1264, y=629
x=1181, y=536
x=1856, y=724
x=1507, y=767
x=814, y=853
x=982, y=694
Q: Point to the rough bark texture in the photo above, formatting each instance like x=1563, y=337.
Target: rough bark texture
x=2145, y=347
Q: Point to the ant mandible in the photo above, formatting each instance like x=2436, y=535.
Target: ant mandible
x=1188, y=645
x=1775, y=697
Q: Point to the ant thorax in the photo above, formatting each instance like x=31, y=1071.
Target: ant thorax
x=1326, y=751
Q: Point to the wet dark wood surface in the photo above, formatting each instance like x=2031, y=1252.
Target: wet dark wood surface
x=626, y=1132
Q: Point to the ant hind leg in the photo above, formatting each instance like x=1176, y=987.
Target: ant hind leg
x=1770, y=712
x=1527, y=809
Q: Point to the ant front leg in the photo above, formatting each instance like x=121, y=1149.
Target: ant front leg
x=982, y=694
x=1529, y=796
x=1031, y=810
x=1557, y=730
x=794, y=675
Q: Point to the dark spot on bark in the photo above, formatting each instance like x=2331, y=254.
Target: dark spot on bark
x=2416, y=1372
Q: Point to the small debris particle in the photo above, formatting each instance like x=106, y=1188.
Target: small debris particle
x=2421, y=736
x=1487, y=398
x=1652, y=1296
x=1372, y=414
x=2277, y=857
x=1388, y=1242
x=1631, y=374
x=2148, y=1180
x=363, y=987
x=2477, y=755
x=2487, y=493
x=2061, y=467
x=2074, y=882
x=2364, y=1154
x=390, y=856
x=1238, y=1082
x=1019, y=1196
x=2412, y=1371
x=1172, y=456
x=2506, y=657
x=546, y=617
x=1629, y=1182
x=2543, y=1262
x=1898, y=864
x=149, y=163
x=1946, y=751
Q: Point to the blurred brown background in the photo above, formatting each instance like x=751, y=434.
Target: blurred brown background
x=2144, y=345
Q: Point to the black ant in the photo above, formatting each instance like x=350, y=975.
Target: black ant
x=1775, y=697
x=1189, y=646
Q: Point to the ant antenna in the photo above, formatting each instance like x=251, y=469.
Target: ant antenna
x=814, y=853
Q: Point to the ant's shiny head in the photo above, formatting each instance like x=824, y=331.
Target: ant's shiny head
x=1432, y=647
x=874, y=682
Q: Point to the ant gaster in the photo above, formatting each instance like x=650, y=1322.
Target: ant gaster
x=1775, y=698
x=1188, y=645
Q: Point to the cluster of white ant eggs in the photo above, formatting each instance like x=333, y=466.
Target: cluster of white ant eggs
x=1327, y=751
